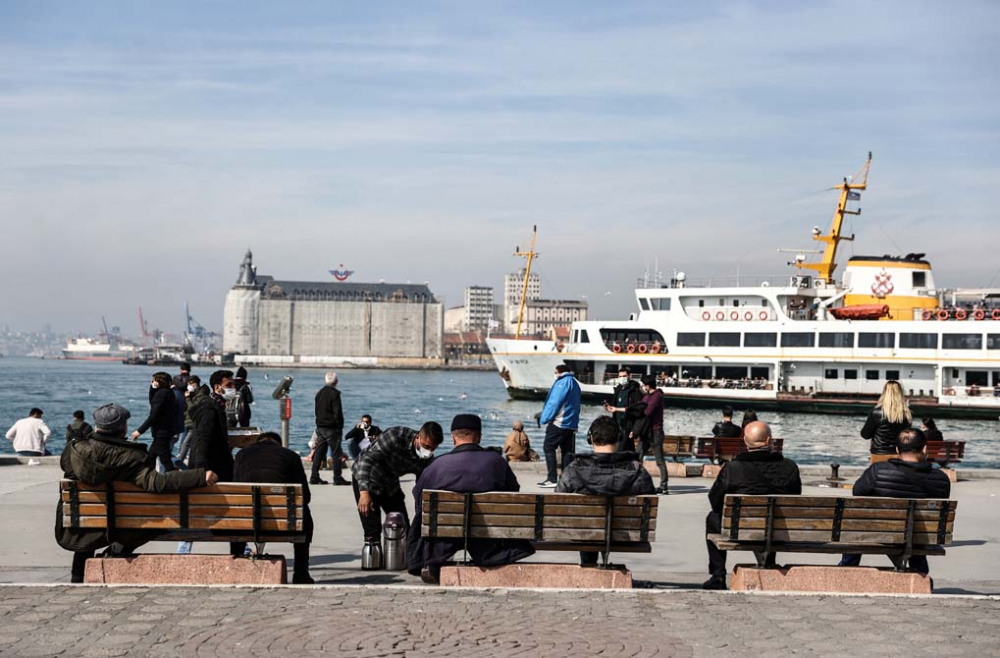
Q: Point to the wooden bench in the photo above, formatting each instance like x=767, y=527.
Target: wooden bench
x=552, y=522
x=945, y=452
x=230, y=512
x=677, y=447
x=896, y=527
x=724, y=449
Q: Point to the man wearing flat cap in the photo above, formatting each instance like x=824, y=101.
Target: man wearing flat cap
x=468, y=468
x=108, y=456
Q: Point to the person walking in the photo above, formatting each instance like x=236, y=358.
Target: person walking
x=160, y=420
x=889, y=417
x=329, y=431
x=30, y=435
x=561, y=416
x=79, y=428
x=241, y=410
x=626, y=408
x=195, y=393
x=648, y=431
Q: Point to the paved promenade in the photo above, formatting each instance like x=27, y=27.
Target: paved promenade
x=346, y=622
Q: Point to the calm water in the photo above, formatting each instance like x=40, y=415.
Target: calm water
x=410, y=398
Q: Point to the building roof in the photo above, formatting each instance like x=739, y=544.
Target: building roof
x=334, y=290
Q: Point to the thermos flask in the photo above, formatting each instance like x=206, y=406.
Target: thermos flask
x=371, y=556
x=394, y=539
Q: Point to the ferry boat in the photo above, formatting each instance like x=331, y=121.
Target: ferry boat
x=804, y=343
x=93, y=349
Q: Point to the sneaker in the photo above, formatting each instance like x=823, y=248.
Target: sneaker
x=318, y=481
x=548, y=484
x=429, y=576
x=304, y=579
x=662, y=491
x=715, y=582
x=341, y=482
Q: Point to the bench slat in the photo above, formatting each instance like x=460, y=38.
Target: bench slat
x=529, y=509
x=174, y=523
x=819, y=536
x=849, y=502
x=552, y=498
x=195, y=496
x=509, y=521
x=785, y=512
x=222, y=487
x=194, y=511
x=835, y=548
x=827, y=524
x=548, y=534
x=631, y=547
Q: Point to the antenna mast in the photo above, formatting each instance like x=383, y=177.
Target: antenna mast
x=530, y=255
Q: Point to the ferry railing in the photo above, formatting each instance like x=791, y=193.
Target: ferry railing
x=730, y=281
x=972, y=391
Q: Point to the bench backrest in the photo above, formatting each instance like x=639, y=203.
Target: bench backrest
x=726, y=448
x=945, y=452
x=847, y=520
x=230, y=511
x=539, y=517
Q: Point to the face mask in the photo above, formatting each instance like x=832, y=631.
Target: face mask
x=192, y=388
x=423, y=452
x=155, y=385
x=555, y=376
x=622, y=381
x=228, y=394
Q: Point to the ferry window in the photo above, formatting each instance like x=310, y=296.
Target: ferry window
x=763, y=303
x=643, y=304
x=798, y=339
x=760, y=340
x=920, y=279
x=758, y=373
x=993, y=341
x=962, y=341
x=954, y=373
x=918, y=341
x=730, y=372
x=623, y=337
x=701, y=372
x=736, y=302
x=850, y=374
x=892, y=374
x=690, y=340
x=977, y=377
x=836, y=340
x=701, y=303
x=877, y=340
x=584, y=336
x=722, y=302
x=727, y=339
x=871, y=375
x=661, y=304
x=831, y=373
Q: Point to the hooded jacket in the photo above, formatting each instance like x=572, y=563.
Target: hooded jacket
x=882, y=433
x=193, y=399
x=161, y=414
x=758, y=472
x=562, y=406
x=899, y=479
x=606, y=474
x=210, y=439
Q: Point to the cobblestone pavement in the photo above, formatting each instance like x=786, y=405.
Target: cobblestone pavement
x=429, y=622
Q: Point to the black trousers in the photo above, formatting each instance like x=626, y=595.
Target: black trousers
x=79, y=562
x=565, y=441
x=716, y=558
x=301, y=566
x=161, y=448
x=332, y=438
x=372, y=524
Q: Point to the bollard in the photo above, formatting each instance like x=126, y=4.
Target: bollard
x=835, y=473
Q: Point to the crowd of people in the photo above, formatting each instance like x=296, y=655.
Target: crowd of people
x=199, y=415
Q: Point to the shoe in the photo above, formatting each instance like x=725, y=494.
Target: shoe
x=662, y=491
x=429, y=576
x=715, y=582
x=548, y=484
x=304, y=579
x=341, y=482
x=318, y=481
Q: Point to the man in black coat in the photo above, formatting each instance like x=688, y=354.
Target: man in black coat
x=626, y=407
x=757, y=472
x=210, y=443
x=329, y=431
x=727, y=428
x=910, y=475
x=161, y=420
x=469, y=468
x=268, y=461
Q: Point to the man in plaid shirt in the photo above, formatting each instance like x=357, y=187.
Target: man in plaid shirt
x=398, y=451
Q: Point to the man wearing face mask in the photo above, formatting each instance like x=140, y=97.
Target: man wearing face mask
x=195, y=393
x=398, y=451
x=626, y=408
x=161, y=420
x=210, y=431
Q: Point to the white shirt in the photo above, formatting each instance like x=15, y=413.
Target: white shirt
x=29, y=434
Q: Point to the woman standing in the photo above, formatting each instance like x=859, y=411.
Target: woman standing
x=889, y=417
x=650, y=428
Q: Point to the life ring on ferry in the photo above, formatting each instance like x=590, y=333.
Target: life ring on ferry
x=960, y=314
x=995, y=314
x=748, y=316
x=721, y=315
x=631, y=348
x=643, y=348
x=706, y=316
x=735, y=315
x=927, y=314
x=764, y=315
x=942, y=314
x=948, y=391
x=616, y=348
x=655, y=349
x=979, y=314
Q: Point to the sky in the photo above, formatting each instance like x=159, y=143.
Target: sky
x=144, y=146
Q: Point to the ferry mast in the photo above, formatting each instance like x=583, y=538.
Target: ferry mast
x=530, y=255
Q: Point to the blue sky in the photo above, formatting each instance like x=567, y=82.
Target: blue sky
x=144, y=146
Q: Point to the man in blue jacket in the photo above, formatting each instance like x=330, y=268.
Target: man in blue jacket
x=561, y=416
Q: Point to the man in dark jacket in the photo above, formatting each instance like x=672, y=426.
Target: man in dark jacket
x=727, y=428
x=626, y=407
x=909, y=475
x=107, y=456
x=329, y=431
x=238, y=410
x=210, y=432
x=469, y=468
x=161, y=420
x=757, y=471
x=607, y=472
x=79, y=428
x=361, y=436
x=268, y=461
x=196, y=392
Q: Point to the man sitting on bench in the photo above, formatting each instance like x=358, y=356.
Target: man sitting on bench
x=606, y=472
x=758, y=472
x=908, y=476
x=469, y=468
x=108, y=456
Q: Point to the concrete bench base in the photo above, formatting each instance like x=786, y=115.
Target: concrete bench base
x=156, y=569
x=537, y=575
x=848, y=580
x=951, y=473
x=710, y=471
x=674, y=469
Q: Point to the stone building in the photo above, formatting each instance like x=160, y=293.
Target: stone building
x=266, y=317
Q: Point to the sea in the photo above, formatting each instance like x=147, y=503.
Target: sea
x=411, y=398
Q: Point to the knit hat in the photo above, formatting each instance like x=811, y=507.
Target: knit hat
x=467, y=422
x=111, y=416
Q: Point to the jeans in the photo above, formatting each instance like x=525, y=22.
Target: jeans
x=918, y=563
x=565, y=441
x=372, y=524
x=333, y=438
x=185, y=445
x=660, y=461
x=29, y=453
x=184, y=547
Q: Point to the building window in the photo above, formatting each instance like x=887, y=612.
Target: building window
x=962, y=341
x=878, y=341
x=830, y=373
x=685, y=339
x=798, y=339
x=871, y=375
x=918, y=341
x=892, y=374
x=727, y=339
x=760, y=340
x=850, y=374
x=836, y=340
